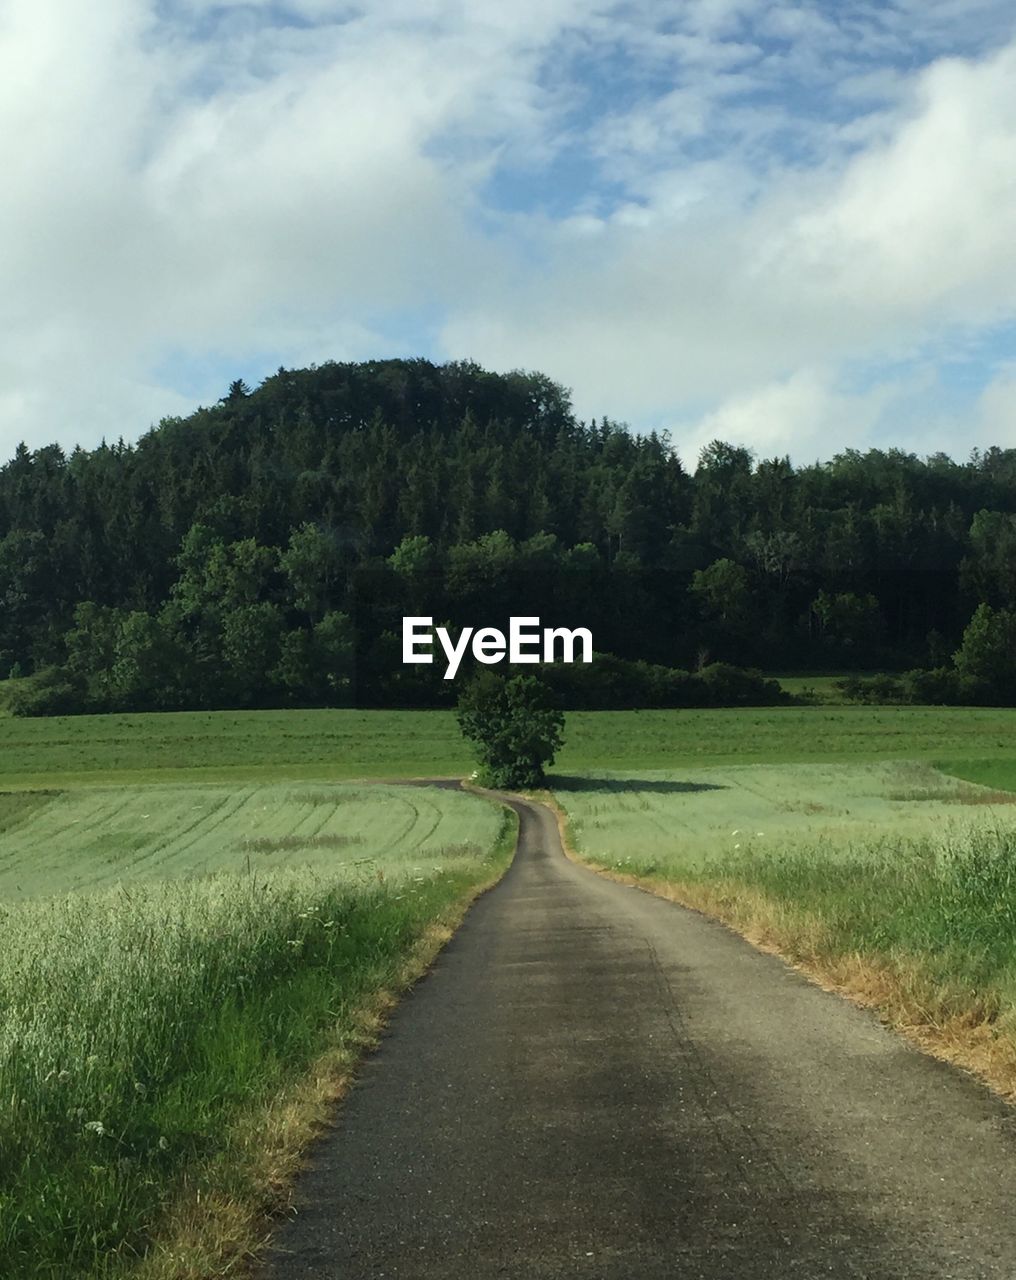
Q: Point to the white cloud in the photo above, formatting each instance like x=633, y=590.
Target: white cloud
x=212, y=179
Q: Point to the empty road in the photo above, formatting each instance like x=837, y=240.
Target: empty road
x=593, y=1082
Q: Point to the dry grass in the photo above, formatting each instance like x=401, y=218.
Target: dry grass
x=955, y=1025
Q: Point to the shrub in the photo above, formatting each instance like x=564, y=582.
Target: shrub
x=47, y=693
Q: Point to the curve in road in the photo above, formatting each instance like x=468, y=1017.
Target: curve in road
x=594, y=1082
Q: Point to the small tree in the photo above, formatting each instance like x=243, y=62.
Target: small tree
x=514, y=726
x=988, y=652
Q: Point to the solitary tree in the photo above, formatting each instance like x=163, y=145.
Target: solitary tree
x=513, y=726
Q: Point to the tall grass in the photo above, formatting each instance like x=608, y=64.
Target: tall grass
x=948, y=907
x=138, y=1024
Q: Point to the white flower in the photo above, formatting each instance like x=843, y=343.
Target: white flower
x=735, y=833
x=95, y=1126
x=737, y=846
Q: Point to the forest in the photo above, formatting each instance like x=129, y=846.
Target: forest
x=262, y=552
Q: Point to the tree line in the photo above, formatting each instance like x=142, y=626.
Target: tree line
x=263, y=550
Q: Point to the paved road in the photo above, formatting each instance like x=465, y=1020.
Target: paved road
x=593, y=1082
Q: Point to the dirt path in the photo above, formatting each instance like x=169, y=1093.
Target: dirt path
x=596, y=1083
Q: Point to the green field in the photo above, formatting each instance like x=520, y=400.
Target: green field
x=673, y=824
x=893, y=880
x=278, y=745
x=175, y=959
x=195, y=906
x=93, y=837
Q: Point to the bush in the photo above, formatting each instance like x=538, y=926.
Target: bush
x=47, y=693
x=873, y=690
x=938, y=687
x=722, y=685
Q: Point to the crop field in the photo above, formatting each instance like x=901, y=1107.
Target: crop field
x=671, y=823
x=175, y=960
x=93, y=837
x=272, y=746
x=893, y=881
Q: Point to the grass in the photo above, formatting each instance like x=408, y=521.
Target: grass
x=202, y=915
x=89, y=838
x=162, y=1018
x=274, y=746
x=676, y=822
x=892, y=882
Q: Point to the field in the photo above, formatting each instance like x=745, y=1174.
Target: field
x=92, y=837
x=202, y=915
x=893, y=881
x=672, y=823
x=187, y=973
x=272, y=746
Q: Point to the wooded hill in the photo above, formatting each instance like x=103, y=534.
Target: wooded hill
x=263, y=550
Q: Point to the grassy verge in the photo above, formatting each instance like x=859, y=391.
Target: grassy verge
x=922, y=928
x=167, y=1049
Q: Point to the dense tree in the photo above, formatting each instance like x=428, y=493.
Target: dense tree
x=371, y=490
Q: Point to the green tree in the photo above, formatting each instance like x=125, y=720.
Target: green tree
x=251, y=637
x=313, y=565
x=986, y=655
x=513, y=726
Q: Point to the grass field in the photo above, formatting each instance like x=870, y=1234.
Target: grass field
x=279, y=745
x=670, y=823
x=174, y=1024
x=93, y=837
x=893, y=881
x=199, y=910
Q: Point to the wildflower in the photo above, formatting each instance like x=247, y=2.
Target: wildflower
x=737, y=846
x=95, y=1126
x=736, y=833
x=163, y=1144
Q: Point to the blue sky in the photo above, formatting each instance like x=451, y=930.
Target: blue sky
x=790, y=225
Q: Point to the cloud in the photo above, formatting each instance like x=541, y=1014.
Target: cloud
x=197, y=189
x=725, y=288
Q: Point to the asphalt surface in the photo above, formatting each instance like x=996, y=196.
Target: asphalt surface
x=593, y=1082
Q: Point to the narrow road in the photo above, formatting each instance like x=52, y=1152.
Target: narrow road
x=593, y=1082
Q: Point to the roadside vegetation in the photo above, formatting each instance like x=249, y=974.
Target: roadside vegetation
x=168, y=1043
x=894, y=883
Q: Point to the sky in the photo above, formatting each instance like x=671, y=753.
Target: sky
x=786, y=225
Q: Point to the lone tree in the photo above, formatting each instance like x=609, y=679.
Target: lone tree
x=513, y=725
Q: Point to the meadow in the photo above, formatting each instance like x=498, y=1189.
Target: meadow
x=90, y=838
x=250, y=746
x=893, y=881
x=186, y=974
x=203, y=915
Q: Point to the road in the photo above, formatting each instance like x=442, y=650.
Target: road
x=593, y=1082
